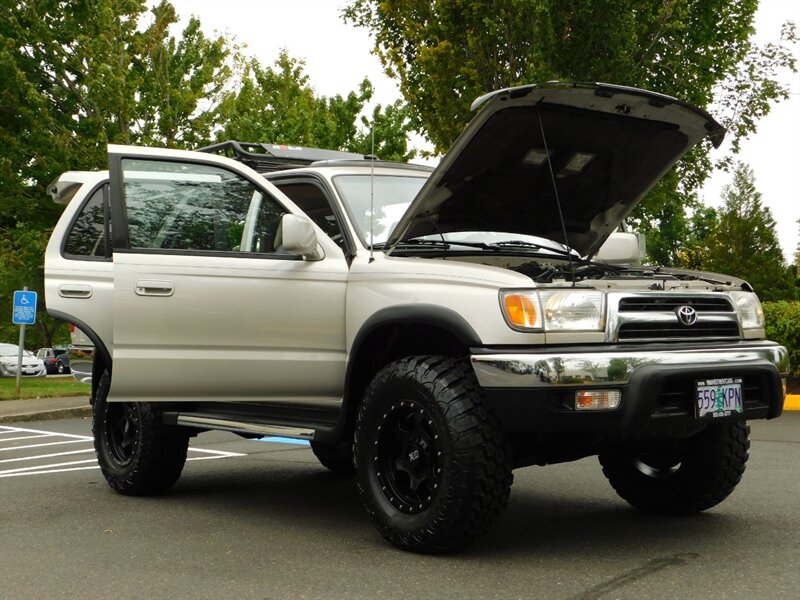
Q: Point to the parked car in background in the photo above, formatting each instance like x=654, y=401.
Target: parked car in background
x=55, y=360
x=9, y=357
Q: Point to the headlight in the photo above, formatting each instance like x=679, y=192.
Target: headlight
x=554, y=310
x=749, y=308
x=573, y=310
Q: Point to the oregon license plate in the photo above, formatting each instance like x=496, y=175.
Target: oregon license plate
x=719, y=398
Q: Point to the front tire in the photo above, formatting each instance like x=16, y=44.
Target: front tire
x=432, y=466
x=137, y=453
x=683, y=476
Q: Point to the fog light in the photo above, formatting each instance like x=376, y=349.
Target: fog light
x=597, y=399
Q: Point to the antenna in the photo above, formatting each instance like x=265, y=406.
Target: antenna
x=372, y=194
x=558, y=201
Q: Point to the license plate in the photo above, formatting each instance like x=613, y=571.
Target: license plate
x=719, y=398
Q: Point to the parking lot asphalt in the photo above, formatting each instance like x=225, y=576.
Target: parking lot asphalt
x=259, y=520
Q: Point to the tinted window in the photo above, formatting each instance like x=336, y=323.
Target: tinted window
x=88, y=234
x=180, y=206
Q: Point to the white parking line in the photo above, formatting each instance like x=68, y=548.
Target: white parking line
x=25, y=437
x=70, y=465
x=53, y=455
x=41, y=445
x=6, y=428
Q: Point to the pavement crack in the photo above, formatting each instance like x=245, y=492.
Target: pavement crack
x=652, y=566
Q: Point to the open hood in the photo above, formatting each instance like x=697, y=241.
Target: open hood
x=608, y=145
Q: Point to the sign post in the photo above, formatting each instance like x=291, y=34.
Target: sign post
x=24, y=314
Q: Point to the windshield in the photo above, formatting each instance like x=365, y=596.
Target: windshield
x=391, y=193
x=392, y=196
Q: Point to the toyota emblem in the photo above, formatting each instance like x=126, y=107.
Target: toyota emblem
x=686, y=315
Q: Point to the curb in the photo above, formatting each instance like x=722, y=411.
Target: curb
x=49, y=415
x=791, y=402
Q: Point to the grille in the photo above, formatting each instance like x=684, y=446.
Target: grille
x=667, y=330
x=661, y=304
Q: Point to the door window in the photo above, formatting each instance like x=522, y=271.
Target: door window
x=90, y=232
x=178, y=206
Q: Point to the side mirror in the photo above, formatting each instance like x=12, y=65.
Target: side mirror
x=621, y=248
x=299, y=237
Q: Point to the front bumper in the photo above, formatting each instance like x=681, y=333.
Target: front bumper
x=11, y=371
x=534, y=390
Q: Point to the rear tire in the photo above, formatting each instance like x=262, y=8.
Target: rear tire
x=683, y=476
x=138, y=454
x=432, y=466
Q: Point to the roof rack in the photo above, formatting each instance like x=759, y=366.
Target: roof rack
x=275, y=157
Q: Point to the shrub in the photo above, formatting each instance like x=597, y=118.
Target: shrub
x=783, y=326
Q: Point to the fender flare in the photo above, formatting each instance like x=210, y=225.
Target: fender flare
x=416, y=314
x=99, y=347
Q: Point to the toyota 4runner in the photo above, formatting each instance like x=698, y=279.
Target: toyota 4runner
x=431, y=329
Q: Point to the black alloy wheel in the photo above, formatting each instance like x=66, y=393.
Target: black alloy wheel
x=122, y=432
x=409, y=456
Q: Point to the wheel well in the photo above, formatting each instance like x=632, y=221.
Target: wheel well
x=388, y=343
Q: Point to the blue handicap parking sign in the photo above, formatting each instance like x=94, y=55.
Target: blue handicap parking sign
x=24, y=308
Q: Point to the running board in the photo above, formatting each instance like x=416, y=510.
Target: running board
x=203, y=422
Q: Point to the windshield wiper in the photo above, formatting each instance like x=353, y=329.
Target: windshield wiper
x=531, y=245
x=447, y=244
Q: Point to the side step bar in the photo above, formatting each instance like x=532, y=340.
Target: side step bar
x=218, y=423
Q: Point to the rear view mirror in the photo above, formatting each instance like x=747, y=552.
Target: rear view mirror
x=299, y=237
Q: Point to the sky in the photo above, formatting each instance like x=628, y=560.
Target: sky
x=338, y=57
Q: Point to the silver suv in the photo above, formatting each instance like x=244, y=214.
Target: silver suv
x=432, y=329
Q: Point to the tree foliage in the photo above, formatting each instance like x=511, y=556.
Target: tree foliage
x=783, y=326
x=446, y=53
x=279, y=105
x=744, y=242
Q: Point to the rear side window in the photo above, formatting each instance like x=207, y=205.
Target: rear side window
x=194, y=207
x=90, y=232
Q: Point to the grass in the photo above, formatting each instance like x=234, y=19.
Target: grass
x=42, y=387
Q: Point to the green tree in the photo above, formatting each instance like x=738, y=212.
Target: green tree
x=744, y=242
x=446, y=53
x=279, y=105
x=702, y=223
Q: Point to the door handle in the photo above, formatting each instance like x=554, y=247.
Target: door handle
x=75, y=291
x=152, y=287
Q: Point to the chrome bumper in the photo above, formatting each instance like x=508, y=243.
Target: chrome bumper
x=549, y=369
